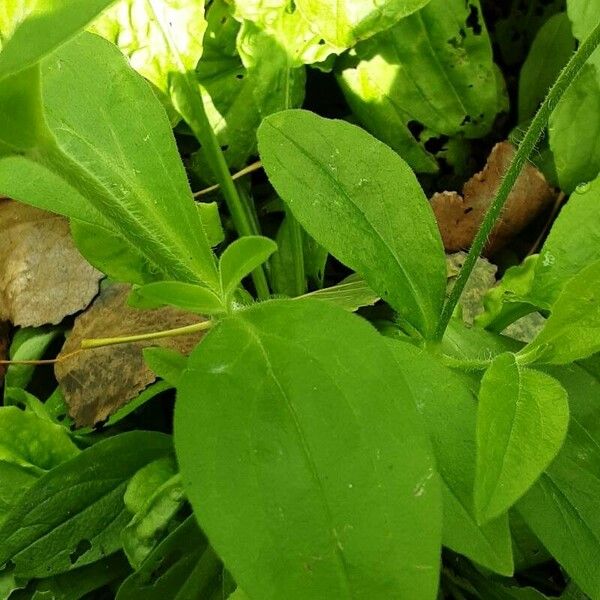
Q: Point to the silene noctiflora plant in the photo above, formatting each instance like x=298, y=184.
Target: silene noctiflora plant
x=315, y=453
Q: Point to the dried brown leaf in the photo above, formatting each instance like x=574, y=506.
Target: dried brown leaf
x=4, y=343
x=43, y=278
x=459, y=217
x=97, y=382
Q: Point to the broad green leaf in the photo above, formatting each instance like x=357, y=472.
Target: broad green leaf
x=304, y=459
x=572, y=330
x=190, y=297
x=15, y=480
x=159, y=37
x=444, y=80
x=241, y=258
x=118, y=167
x=350, y=294
x=549, y=53
x=522, y=420
x=181, y=567
x=342, y=23
x=166, y=363
x=33, y=443
x=28, y=344
x=585, y=16
x=562, y=508
x=31, y=29
x=149, y=524
x=73, y=515
x=449, y=413
x=360, y=200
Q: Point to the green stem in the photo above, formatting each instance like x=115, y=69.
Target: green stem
x=527, y=145
x=297, y=251
x=191, y=106
x=143, y=337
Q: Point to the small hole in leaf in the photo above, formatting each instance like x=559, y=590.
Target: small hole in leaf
x=225, y=147
x=82, y=547
x=472, y=21
x=239, y=76
x=434, y=145
x=415, y=128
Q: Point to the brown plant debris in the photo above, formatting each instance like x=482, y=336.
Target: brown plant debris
x=95, y=383
x=43, y=278
x=459, y=217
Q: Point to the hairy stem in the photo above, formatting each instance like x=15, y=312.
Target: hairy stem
x=527, y=145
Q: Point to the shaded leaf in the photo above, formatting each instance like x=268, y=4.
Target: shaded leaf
x=459, y=217
x=73, y=515
x=181, y=567
x=330, y=448
x=43, y=278
x=88, y=380
x=360, y=200
x=550, y=51
x=522, y=420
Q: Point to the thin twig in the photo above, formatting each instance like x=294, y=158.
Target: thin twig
x=245, y=171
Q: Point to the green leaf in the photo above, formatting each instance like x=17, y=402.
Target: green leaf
x=562, y=508
x=181, y=567
x=574, y=124
x=342, y=23
x=190, y=297
x=564, y=254
x=443, y=80
x=359, y=199
x=304, y=459
x=21, y=112
x=166, y=363
x=350, y=294
x=150, y=522
x=31, y=29
x=146, y=481
x=449, y=413
x=241, y=258
x=113, y=167
x=159, y=38
x=209, y=215
x=73, y=515
x=78, y=583
x=572, y=330
x=33, y=443
x=28, y=344
x=549, y=53
x=522, y=420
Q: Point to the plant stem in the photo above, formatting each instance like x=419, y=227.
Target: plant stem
x=297, y=250
x=142, y=337
x=526, y=146
x=255, y=166
x=191, y=106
